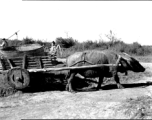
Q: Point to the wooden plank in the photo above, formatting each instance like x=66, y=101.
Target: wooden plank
x=32, y=66
x=24, y=62
x=7, y=67
x=33, y=57
x=17, y=61
x=30, y=60
x=1, y=68
x=10, y=63
x=45, y=62
x=46, y=66
x=2, y=63
x=31, y=69
x=17, y=65
x=50, y=63
x=71, y=68
x=31, y=63
x=39, y=62
x=17, y=58
x=20, y=57
x=20, y=66
x=45, y=58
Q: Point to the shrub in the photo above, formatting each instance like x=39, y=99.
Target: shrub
x=40, y=42
x=71, y=45
x=28, y=40
x=14, y=42
x=66, y=42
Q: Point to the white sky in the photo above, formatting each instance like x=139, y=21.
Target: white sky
x=83, y=20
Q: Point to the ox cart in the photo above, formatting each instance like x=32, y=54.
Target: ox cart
x=17, y=66
x=17, y=62
x=16, y=70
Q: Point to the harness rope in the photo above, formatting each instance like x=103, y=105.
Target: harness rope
x=82, y=61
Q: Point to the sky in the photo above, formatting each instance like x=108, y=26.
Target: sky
x=131, y=21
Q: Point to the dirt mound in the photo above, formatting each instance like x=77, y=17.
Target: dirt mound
x=137, y=108
x=4, y=92
x=5, y=88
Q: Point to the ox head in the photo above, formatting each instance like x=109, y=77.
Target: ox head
x=129, y=63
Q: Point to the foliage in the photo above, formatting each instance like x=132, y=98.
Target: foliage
x=65, y=42
x=14, y=42
x=28, y=40
x=40, y=42
x=70, y=45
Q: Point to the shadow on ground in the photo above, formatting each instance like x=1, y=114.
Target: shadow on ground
x=128, y=85
x=43, y=82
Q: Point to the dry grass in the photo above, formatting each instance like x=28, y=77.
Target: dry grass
x=146, y=59
x=138, y=108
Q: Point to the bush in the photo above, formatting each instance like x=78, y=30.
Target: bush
x=71, y=45
x=14, y=42
x=28, y=41
x=66, y=42
x=120, y=46
x=40, y=42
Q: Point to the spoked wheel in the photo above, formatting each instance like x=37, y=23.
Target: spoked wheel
x=18, y=78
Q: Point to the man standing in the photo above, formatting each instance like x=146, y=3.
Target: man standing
x=4, y=44
x=54, y=49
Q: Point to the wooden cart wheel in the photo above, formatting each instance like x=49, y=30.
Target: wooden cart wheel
x=18, y=78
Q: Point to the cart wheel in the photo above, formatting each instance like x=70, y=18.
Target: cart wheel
x=18, y=78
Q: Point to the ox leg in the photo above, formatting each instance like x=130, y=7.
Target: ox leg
x=69, y=85
x=100, y=82
x=116, y=78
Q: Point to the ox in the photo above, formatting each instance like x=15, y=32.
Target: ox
x=123, y=62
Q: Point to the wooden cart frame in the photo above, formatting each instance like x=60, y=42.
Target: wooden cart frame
x=17, y=69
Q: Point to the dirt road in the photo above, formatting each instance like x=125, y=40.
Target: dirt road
x=131, y=102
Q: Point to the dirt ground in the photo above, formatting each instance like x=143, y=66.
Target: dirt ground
x=134, y=101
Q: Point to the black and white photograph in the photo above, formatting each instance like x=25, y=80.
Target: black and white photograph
x=75, y=59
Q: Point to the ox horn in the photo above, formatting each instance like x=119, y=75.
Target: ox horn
x=129, y=56
x=126, y=54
